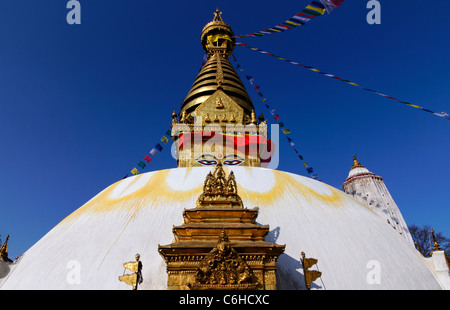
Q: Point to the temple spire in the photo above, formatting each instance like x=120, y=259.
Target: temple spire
x=436, y=246
x=356, y=163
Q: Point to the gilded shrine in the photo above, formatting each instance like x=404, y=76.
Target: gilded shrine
x=220, y=245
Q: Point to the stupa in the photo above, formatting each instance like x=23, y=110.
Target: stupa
x=220, y=220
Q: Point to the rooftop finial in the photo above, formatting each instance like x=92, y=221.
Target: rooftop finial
x=4, y=251
x=436, y=246
x=217, y=15
x=356, y=163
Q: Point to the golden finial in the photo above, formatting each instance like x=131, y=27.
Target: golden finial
x=217, y=16
x=436, y=246
x=253, y=117
x=4, y=251
x=356, y=163
x=174, y=117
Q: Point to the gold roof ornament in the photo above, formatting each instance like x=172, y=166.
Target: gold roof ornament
x=217, y=39
x=135, y=278
x=217, y=30
x=4, y=251
x=310, y=275
x=356, y=163
x=436, y=246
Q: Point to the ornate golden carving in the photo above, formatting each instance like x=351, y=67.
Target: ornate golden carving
x=310, y=275
x=135, y=278
x=242, y=259
x=219, y=187
x=4, y=251
x=219, y=72
x=219, y=103
x=223, y=268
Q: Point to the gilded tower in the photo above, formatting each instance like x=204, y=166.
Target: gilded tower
x=217, y=120
x=219, y=245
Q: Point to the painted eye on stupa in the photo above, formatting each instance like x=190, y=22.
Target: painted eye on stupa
x=206, y=162
x=233, y=162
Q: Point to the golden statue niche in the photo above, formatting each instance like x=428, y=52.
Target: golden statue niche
x=241, y=259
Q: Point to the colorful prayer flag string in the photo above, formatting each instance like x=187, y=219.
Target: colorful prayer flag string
x=310, y=12
x=154, y=151
x=276, y=117
x=444, y=115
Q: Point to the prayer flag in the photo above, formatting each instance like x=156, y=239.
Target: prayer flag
x=309, y=169
x=331, y=5
x=134, y=171
x=276, y=117
x=286, y=131
x=141, y=164
x=217, y=37
x=305, y=164
x=317, y=9
x=147, y=158
x=168, y=133
x=164, y=139
x=153, y=152
x=159, y=147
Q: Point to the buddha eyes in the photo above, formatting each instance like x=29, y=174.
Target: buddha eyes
x=209, y=160
x=206, y=162
x=234, y=162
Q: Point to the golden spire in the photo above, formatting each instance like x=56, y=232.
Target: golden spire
x=356, y=163
x=4, y=251
x=217, y=39
x=436, y=246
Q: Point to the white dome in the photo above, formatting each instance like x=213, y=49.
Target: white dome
x=358, y=170
x=136, y=214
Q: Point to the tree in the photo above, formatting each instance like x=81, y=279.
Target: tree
x=424, y=242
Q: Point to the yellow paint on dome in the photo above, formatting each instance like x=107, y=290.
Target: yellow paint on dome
x=284, y=184
x=167, y=187
x=151, y=194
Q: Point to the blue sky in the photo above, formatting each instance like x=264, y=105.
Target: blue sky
x=81, y=105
